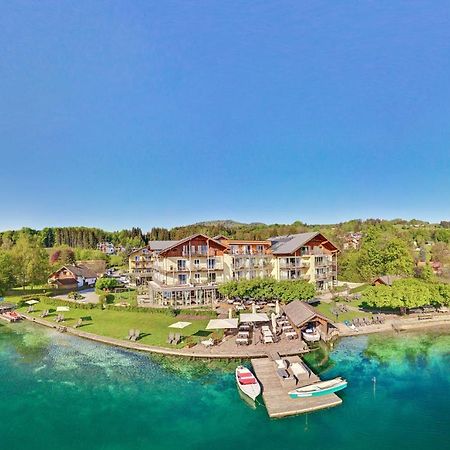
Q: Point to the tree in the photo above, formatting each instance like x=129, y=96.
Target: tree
x=6, y=272
x=105, y=284
x=30, y=261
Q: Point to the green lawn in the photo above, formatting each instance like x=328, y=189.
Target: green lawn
x=325, y=309
x=153, y=326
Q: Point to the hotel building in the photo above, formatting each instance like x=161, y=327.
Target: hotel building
x=188, y=271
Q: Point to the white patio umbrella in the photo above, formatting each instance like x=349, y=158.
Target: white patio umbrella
x=180, y=325
x=230, y=313
x=222, y=324
x=253, y=308
x=277, y=307
x=31, y=302
x=273, y=318
x=62, y=309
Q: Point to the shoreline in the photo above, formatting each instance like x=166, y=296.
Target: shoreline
x=399, y=325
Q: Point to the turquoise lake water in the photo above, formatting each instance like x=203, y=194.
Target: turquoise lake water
x=61, y=392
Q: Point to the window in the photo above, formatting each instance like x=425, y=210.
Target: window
x=203, y=249
x=260, y=248
x=234, y=249
x=212, y=277
x=196, y=262
x=247, y=249
x=182, y=278
x=211, y=263
x=197, y=277
x=181, y=264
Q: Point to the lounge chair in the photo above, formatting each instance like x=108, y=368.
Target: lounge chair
x=130, y=334
x=177, y=339
x=136, y=335
x=170, y=338
x=79, y=323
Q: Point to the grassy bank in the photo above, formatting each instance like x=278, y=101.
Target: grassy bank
x=154, y=327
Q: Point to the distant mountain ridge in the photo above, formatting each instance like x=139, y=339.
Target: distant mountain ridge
x=225, y=223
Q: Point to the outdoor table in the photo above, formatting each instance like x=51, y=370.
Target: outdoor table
x=267, y=333
x=287, y=328
x=271, y=305
x=244, y=327
x=244, y=334
x=241, y=341
x=268, y=340
x=240, y=307
x=291, y=334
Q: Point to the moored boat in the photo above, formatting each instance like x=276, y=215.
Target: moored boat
x=319, y=388
x=311, y=335
x=247, y=382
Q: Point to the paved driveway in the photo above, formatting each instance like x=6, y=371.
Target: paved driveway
x=89, y=296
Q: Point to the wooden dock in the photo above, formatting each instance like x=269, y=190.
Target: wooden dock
x=275, y=390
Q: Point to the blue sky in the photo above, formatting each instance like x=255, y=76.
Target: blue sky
x=150, y=113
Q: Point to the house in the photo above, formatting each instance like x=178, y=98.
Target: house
x=386, y=280
x=437, y=268
x=106, y=247
x=73, y=277
x=303, y=315
x=187, y=271
x=305, y=256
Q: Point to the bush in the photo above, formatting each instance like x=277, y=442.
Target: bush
x=105, y=283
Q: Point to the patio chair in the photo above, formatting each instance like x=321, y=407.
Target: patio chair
x=177, y=339
x=130, y=334
x=79, y=323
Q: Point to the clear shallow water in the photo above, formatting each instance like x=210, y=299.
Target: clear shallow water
x=60, y=392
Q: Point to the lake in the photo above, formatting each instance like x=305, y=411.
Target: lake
x=61, y=392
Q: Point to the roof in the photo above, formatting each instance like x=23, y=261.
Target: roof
x=388, y=279
x=291, y=242
x=300, y=313
x=158, y=246
x=80, y=271
x=187, y=239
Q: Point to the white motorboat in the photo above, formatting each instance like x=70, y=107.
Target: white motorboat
x=320, y=388
x=247, y=382
x=311, y=335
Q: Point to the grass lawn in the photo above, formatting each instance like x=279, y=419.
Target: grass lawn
x=129, y=297
x=325, y=309
x=153, y=326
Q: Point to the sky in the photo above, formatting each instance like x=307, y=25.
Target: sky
x=146, y=113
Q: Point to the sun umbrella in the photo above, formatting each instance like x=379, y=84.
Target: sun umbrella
x=273, y=317
x=253, y=308
x=31, y=302
x=222, y=324
x=230, y=313
x=277, y=307
x=180, y=325
x=62, y=309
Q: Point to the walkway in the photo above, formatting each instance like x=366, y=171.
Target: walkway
x=222, y=351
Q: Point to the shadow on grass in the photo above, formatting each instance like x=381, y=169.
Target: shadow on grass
x=202, y=333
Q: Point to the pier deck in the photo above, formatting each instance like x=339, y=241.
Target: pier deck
x=275, y=391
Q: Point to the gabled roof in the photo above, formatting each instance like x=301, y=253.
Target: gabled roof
x=300, y=313
x=193, y=236
x=158, y=246
x=291, y=242
x=388, y=279
x=78, y=271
